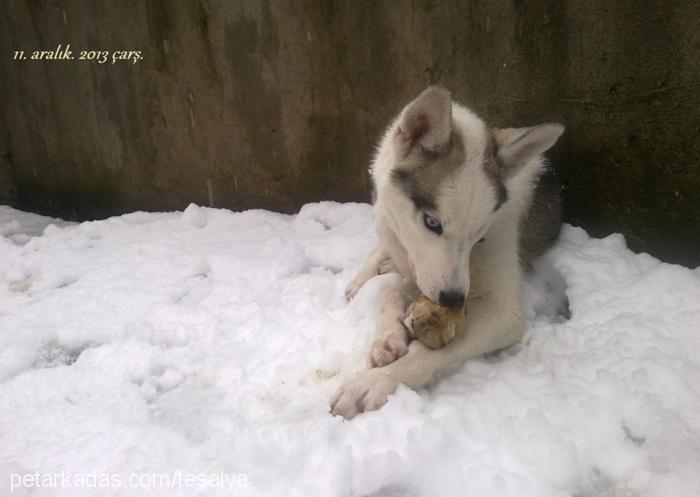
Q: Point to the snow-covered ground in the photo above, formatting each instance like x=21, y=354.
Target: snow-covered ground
x=206, y=343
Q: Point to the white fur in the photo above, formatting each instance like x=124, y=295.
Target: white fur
x=433, y=263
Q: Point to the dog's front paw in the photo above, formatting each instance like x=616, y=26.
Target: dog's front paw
x=368, y=391
x=389, y=348
x=354, y=286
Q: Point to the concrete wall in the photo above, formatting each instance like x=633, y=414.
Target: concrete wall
x=276, y=103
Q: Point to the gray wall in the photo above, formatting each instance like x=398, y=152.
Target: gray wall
x=274, y=104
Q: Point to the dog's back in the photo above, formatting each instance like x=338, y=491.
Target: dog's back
x=541, y=222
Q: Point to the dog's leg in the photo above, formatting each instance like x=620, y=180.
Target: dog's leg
x=371, y=267
x=391, y=339
x=491, y=325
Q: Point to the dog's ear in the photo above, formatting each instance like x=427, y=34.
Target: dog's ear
x=515, y=147
x=427, y=120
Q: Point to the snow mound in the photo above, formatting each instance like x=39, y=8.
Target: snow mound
x=207, y=343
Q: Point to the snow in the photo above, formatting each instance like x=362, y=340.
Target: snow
x=208, y=342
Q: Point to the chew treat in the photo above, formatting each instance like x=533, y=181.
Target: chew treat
x=433, y=325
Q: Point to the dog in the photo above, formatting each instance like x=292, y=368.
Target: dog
x=461, y=210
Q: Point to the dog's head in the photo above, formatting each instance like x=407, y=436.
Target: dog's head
x=447, y=181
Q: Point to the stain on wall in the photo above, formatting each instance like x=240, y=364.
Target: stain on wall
x=271, y=104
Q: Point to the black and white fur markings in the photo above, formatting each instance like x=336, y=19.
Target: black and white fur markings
x=444, y=182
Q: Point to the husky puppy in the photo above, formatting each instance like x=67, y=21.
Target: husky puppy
x=451, y=193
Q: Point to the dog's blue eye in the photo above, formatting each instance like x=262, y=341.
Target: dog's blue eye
x=432, y=224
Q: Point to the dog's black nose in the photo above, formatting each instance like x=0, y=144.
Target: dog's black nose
x=451, y=299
